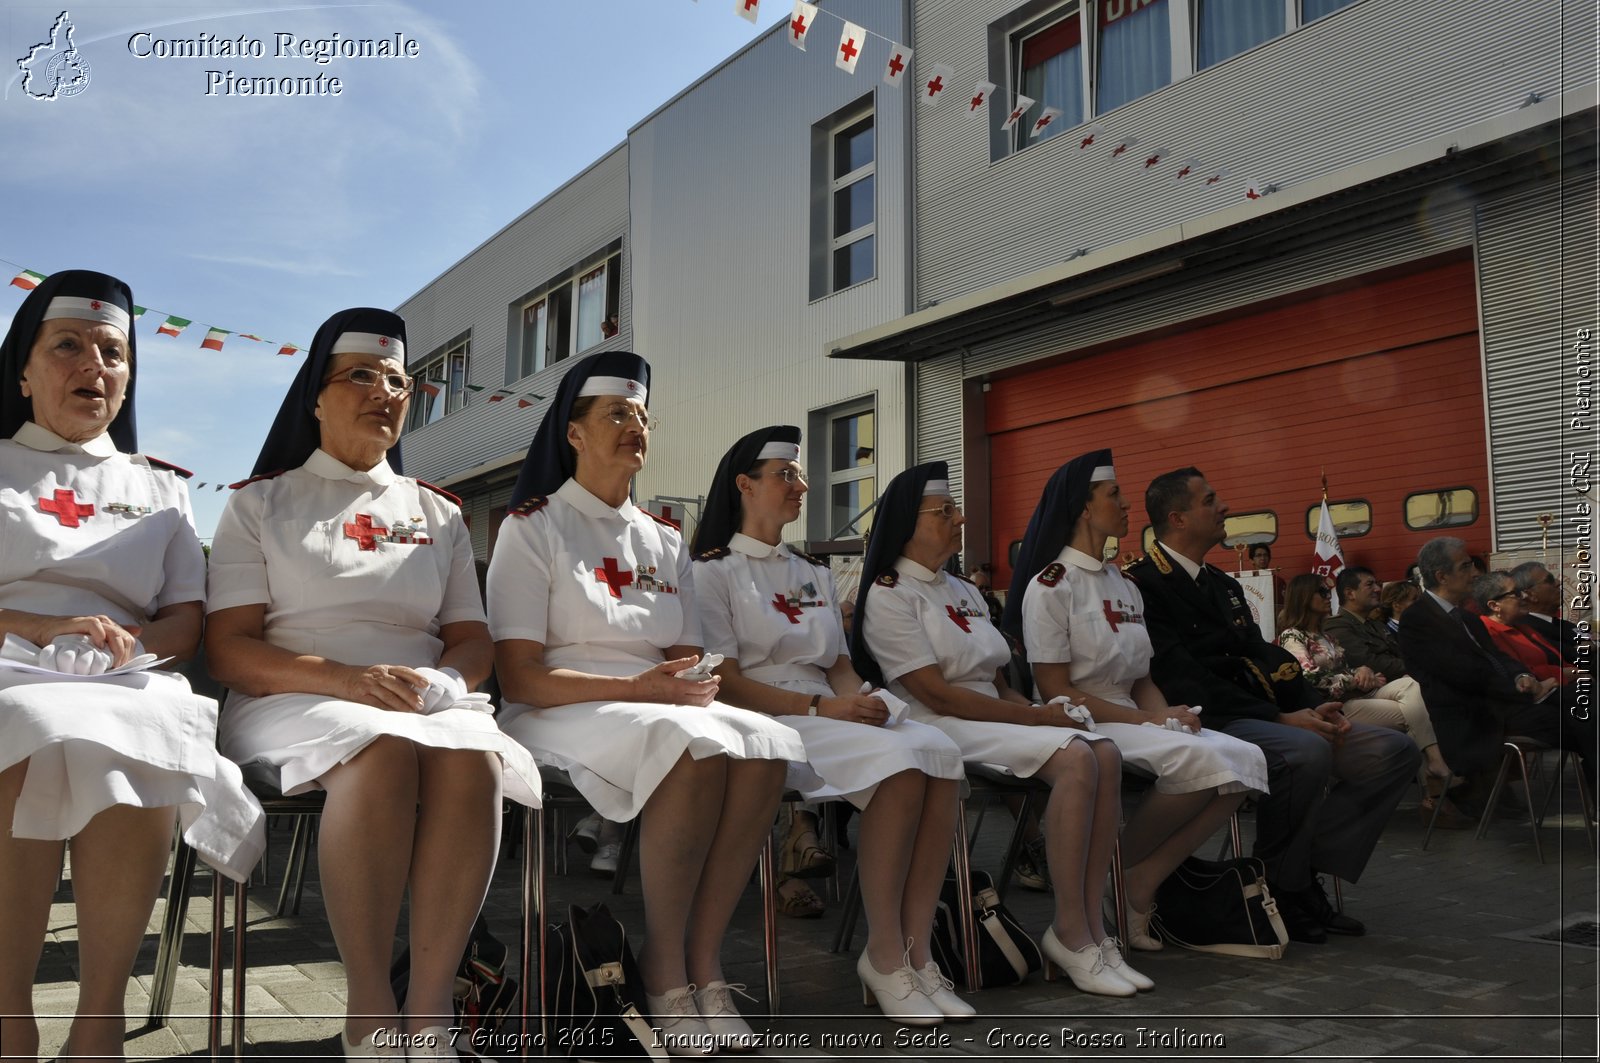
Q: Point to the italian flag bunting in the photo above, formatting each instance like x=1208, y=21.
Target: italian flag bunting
x=172, y=326
x=214, y=338
x=289, y=349
x=27, y=280
x=138, y=312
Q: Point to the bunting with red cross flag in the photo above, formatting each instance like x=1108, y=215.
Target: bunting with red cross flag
x=935, y=83
x=748, y=9
x=894, y=70
x=1018, y=109
x=1155, y=158
x=1044, y=121
x=851, y=39
x=980, y=95
x=1187, y=170
x=800, y=23
x=1123, y=146
x=1086, y=138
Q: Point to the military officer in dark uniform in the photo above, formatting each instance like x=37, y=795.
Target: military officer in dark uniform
x=1333, y=782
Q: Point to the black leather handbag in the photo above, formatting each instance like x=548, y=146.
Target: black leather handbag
x=1006, y=954
x=595, y=994
x=1222, y=907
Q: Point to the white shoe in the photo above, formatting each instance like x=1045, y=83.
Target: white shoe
x=1119, y=966
x=379, y=1044
x=606, y=859
x=586, y=833
x=898, y=994
x=681, y=1030
x=722, y=1019
x=1139, y=935
x=430, y=1042
x=939, y=989
x=1086, y=967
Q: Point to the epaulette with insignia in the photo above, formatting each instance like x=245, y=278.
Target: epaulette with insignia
x=529, y=506
x=179, y=469
x=808, y=558
x=888, y=579
x=716, y=553
x=436, y=489
x=1158, y=558
x=1052, y=573
x=257, y=479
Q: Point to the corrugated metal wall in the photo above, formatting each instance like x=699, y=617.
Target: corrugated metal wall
x=1369, y=79
x=721, y=200
x=1538, y=282
x=477, y=293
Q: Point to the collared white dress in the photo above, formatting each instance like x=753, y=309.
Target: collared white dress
x=1085, y=613
x=361, y=568
x=91, y=531
x=777, y=615
x=606, y=589
x=916, y=617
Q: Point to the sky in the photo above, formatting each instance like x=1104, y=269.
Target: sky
x=265, y=215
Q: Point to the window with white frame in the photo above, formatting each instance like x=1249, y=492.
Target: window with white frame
x=441, y=384
x=1224, y=28
x=851, y=461
x=1049, y=61
x=1133, y=42
x=852, y=203
x=568, y=315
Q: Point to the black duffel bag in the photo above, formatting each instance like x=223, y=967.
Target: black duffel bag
x=1006, y=954
x=595, y=994
x=1220, y=906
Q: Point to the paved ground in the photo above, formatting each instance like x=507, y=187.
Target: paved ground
x=1448, y=968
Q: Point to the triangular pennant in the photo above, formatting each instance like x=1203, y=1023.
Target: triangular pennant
x=1046, y=117
x=1087, y=137
x=1186, y=169
x=980, y=95
x=1018, y=109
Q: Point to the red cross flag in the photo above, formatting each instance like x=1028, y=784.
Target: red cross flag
x=1186, y=170
x=1215, y=175
x=1328, y=559
x=800, y=23
x=1125, y=145
x=935, y=83
x=1044, y=121
x=749, y=9
x=980, y=95
x=899, y=61
x=1254, y=189
x=1155, y=158
x=1087, y=137
x=850, y=41
x=1018, y=109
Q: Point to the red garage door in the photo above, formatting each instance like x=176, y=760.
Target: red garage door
x=1377, y=382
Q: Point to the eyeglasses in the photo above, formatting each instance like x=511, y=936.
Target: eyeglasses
x=621, y=415
x=788, y=476
x=1507, y=594
x=363, y=377
x=1323, y=592
x=948, y=510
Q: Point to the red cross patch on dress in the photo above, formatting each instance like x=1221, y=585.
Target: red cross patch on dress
x=613, y=577
x=364, y=532
x=66, y=507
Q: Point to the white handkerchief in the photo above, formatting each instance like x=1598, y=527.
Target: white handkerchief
x=896, y=707
x=20, y=655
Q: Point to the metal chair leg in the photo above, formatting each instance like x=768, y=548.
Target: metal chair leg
x=533, y=901
x=1438, y=803
x=1527, y=792
x=969, y=923
x=852, y=910
x=1119, y=894
x=173, y=919
x=769, y=920
x=240, y=892
x=1014, y=849
x=1494, y=791
x=630, y=842
x=219, y=924
x=293, y=865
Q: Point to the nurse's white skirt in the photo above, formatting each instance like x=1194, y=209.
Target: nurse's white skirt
x=851, y=759
x=1183, y=763
x=617, y=752
x=305, y=736
x=1014, y=748
x=145, y=740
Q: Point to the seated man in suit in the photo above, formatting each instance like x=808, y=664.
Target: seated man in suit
x=1541, y=593
x=1334, y=783
x=1475, y=694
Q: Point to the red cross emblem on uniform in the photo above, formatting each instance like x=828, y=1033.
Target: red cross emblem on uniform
x=362, y=531
x=1112, y=616
x=781, y=604
x=383, y=341
x=94, y=304
x=614, y=578
x=958, y=619
x=67, y=508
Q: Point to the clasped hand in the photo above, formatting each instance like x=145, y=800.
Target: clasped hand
x=87, y=645
x=662, y=684
x=398, y=688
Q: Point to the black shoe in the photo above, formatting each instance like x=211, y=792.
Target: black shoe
x=1315, y=903
x=1301, y=925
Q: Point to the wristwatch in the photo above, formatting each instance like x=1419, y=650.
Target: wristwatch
x=816, y=699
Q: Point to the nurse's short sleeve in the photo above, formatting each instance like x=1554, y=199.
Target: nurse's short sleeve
x=894, y=633
x=519, y=579
x=690, y=635
x=462, y=602
x=1047, y=622
x=715, y=608
x=184, y=565
x=238, y=569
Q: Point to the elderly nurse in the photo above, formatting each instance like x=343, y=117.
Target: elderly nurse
x=593, y=608
x=99, y=566
x=346, y=619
